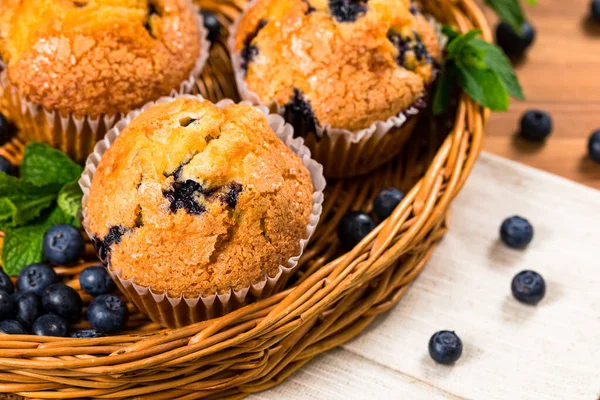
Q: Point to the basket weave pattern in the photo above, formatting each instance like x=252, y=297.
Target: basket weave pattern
x=333, y=298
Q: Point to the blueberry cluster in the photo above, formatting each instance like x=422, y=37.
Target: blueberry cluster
x=251, y=50
x=409, y=46
x=114, y=235
x=347, y=10
x=43, y=306
x=356, y=225
x=186, y=195
x=299, y=113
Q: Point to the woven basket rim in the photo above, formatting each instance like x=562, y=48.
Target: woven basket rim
x=260, y=345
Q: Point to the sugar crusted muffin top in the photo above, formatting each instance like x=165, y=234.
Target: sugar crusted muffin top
x=339, y=63
x=93, y=57
x=196, y=199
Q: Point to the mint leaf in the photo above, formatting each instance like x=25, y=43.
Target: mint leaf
x=24, y=208
x=43, y=165
x=443, y=94
x=69, y=200
x=460, y=41
x=484, y=86
x=509, y=11
x=7, y=211
x=480, y=68
x=450, y=32
x=23, y=246
x=11, y=186
x=497, y=61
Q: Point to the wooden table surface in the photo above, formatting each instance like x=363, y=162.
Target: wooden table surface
x=560, y=74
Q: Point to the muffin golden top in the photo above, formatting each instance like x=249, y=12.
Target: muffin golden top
x=94, y=57
x=342, y=63
x=196, y=199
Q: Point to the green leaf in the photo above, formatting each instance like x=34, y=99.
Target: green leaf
x=450, y=32
x=484, y=86
x=23, y=246
x=24, y=208
x=11, y=186
x=443, y=93
x=531, y=2
x=69, y=200
x=43, y=165
x=497, y=61
x=459, y=42
x=509, y=11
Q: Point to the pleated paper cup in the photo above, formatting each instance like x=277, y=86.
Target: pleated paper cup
x=179, y=311
x=76, y=136
x=342, y=152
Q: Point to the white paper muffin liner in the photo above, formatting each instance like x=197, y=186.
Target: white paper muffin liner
x=342, y=152
x=74, y=135
x=180, y=311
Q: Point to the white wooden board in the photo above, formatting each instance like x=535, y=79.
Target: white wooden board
x=511, y=351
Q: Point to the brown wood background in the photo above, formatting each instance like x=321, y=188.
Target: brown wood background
x=560, y=74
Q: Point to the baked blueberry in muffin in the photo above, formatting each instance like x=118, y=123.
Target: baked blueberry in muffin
x=196, y=199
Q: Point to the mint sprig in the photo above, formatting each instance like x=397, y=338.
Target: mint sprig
x=510, y=11
x=480, y=68
x=47, y=194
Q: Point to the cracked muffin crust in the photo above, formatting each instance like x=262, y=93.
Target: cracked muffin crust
x=95, y=57
x=340, y=63
x=195, y=199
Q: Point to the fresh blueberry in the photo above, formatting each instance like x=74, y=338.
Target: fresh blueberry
x=386, y=202
x=7, y=306
x=63, y=244
x=6, y=166
x=353, y=228
x=212, y=25
x=511, y=42
x=35, y=278
x=88, y=334
x=516, y=232
x=594, y=146
x=96, y=281
x=63, y=301
x=107, y=313
x=12, y=327
x=528, y=287
x=445, y=347
x=50, y=325
x=595, y=9
x=5, y=283
x=28, y=308
x=536, y=125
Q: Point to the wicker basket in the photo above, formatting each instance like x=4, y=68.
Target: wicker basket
x=332, y=299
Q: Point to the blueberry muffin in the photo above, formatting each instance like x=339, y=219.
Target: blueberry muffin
x=338, y=64
x=198, y=200
x=93, y=58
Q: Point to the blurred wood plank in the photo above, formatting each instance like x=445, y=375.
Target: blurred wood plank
x=560, y=74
